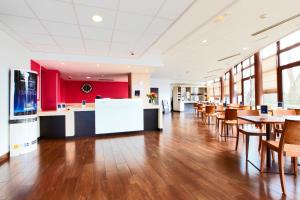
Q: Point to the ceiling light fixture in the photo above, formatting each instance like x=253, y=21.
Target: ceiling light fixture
x=62, y=63
x=128, y=66
x=204, y=41
x=245, y=48
x=98, y=65
x=97, y=18
x=88, y=77
x=263, y=16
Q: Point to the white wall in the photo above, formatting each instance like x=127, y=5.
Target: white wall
x=164, y=89
x=12, y=55
x=140, y=82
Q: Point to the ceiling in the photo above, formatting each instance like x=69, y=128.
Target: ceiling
x=181, y=40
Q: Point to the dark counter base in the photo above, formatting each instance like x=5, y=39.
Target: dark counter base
x=53, y=127
x=150, y=119
x=84, y=123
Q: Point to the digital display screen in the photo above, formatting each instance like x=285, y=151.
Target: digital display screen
x=264, y=109
x=25, y=93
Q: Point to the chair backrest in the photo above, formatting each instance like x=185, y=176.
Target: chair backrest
x=195, y=105
x=247, y=113
x=200, y=105
x=245, y=107
x=291, y=132
x=297, y=111
x=279, y=112
x=230, y=114
x=210, y=109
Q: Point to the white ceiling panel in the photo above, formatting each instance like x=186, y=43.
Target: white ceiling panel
x=97, y=45
x=37, y=39
x=158, y=26
x=172, y=9
x=111, y=4
x=66, y=42
x=132, y=22
x=23, y=25
x=15, y=7
x=94, y=33
x=126, y=37
x=86, y=13
x=62, y=29
x=53, y=10
x=141, y=7
x=3, y=27
x=44, y=48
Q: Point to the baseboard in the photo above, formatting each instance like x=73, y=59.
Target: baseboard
x=4, y=158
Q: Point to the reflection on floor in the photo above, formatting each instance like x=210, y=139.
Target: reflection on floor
x=187, y=160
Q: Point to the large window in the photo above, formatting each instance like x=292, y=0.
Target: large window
x=289, y=56
x=238, y=83
x=291, y=86
x=269, y=69
x=217, y=89
x=226, y=87
x=248, y=81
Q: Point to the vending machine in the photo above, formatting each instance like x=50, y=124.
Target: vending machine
x=23, y=124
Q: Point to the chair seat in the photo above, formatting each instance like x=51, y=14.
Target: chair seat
x=252, y=131
x=289, y=149
x=221, y=117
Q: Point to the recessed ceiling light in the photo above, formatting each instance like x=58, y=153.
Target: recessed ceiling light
x=97, y=18
x=204, y=41
x=88, y=77
x=98, y=65
x=128, y=66
x=220, y=18
x=62, y=63
x=245, y=48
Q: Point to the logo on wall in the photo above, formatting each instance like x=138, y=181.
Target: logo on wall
x=86, y=88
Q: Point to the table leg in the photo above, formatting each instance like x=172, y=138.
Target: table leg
x=268, y=132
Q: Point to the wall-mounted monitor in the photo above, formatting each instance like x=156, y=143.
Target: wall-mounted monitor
x=23, y=94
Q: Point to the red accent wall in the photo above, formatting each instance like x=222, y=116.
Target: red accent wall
x=50, y=91
x=37, y=68
x=71, y=92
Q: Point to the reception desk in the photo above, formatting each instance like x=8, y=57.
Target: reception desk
x=78, y=121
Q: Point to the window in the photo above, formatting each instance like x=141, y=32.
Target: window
x=217, y=89
x=210, y=89
x=269, y=70
x=291, y=86
x=249, y=92
x=226, y=87
x=290, y=56
x=269, y=51
x=238, y=83
x=290, y=40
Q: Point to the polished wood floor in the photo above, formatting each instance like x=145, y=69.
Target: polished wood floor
x=187, y=160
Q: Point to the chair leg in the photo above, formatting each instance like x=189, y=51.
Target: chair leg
x=295, y=160
x=247, y=147
x=263, y=157
x=259, y=144
x=281, y=171
x=237, y=139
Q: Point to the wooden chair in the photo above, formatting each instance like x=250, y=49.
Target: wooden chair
x=289, y=145
x=220, y=116
x=210, y=112
x=200, y=110
x=230, y=120
x=195, y=108
x=280, y=112
x=244, y=128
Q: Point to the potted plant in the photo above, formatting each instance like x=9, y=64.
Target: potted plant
x=152, y=97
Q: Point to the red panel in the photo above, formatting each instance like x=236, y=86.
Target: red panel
x=50, y=79
x=37, y=68
x=114, y=90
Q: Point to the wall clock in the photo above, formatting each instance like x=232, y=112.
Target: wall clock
x=86, y=88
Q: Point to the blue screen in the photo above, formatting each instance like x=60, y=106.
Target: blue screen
x=25, y=93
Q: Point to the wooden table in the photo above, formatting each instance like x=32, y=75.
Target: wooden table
x=268, y=121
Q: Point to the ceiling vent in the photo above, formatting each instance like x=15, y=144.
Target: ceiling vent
x=228, y=57
x=275, y=25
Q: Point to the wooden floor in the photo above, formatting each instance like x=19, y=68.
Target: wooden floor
x=185, y=161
